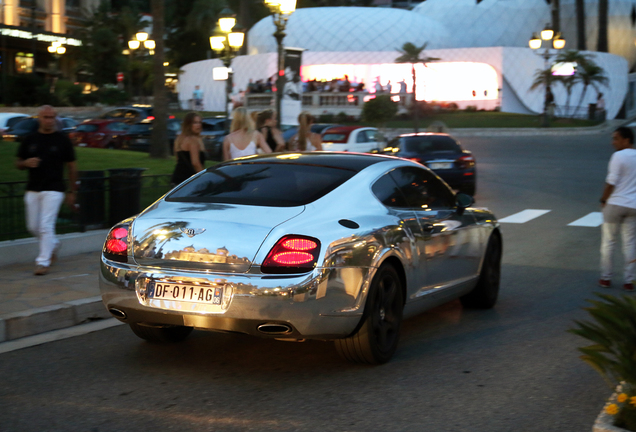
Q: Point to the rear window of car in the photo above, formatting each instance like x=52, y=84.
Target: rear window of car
x=13, y=120
x=86, y=128
x=424, y=144
x=262, y=184
x=139, y=128
x=334, y=137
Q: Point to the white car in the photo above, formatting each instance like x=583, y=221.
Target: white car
x=9, y=119
x=350, y=138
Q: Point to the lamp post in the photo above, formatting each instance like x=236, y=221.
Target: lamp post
x=57, y=50
x=226, y=40
x=134, y=44
x=535, y=42
x=281, y=10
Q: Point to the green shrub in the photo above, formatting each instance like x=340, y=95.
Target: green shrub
x=326, y=118
x=341, y=117
x=613, y=351
x=379, y=110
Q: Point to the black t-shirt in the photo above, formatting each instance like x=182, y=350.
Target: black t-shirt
x=54, y=150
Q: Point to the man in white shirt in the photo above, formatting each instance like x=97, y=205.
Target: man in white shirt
x=619, y=208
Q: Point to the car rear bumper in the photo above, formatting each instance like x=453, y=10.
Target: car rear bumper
x=324, y=304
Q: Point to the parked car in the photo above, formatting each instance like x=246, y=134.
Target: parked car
x=441, y=153
x=9, y=119
x=350, y=138
x=316, y=128
x=30, y=124
x=251, y=246
x=137, y=137
x=213, y=132
x=132, y=114
x=99, y=134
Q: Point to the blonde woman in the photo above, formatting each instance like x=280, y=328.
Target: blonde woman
x=243, y=139
x=305, y=139
x=188, y=149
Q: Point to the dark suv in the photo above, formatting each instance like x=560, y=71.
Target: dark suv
x=442, y=154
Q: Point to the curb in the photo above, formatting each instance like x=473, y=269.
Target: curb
x=40, y=320
x=25, y=250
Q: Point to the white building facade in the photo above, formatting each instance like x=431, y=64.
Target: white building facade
x=484, y=59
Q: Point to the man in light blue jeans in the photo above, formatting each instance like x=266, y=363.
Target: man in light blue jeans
x=619, y=209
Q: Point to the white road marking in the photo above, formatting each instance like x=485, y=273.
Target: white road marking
x=593, y=219
x=524, y=216
x=56, y=335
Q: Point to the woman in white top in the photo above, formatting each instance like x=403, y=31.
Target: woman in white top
x=243, y=139
x=305, y=139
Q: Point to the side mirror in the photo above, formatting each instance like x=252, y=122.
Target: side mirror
x=463, y=201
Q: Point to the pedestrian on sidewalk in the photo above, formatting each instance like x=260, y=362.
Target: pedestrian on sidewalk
x=619, y=208
x=45, y=153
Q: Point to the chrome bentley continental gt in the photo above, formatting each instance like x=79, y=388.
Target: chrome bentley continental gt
x=329, y=246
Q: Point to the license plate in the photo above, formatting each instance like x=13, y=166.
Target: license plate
x=440, y=165
x=141, y=141
x=186, y=293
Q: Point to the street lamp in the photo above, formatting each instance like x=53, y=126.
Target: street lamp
x=226, y=40
x=135, y=44
x=57, y=50
x=281, y=10
x=535, y=42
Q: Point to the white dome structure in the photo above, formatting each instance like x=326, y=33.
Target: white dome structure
x=490, y=23
x=335, y=29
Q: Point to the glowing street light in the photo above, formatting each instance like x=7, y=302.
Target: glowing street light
x=547, y=34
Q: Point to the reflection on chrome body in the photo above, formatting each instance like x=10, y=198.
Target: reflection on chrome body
x=437, y=253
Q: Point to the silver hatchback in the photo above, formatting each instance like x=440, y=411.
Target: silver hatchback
x=330, y=246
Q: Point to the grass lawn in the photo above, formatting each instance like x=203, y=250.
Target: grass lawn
x=90, y=159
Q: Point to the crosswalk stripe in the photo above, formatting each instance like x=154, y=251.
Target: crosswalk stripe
x=524, y=216
x=593, y=219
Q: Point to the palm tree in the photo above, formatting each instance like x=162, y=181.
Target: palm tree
x=591, y=74
x=158, y=148
x=411, y=53
x=543, y=78
x=580, y=25
x=603, y=6
x=569, y=81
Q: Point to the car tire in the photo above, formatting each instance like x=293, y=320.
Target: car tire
x=161, y=334
x=376, y=340
x=485, y=293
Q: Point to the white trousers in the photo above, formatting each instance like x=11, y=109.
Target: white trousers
x=618, y=219
x=41, y=214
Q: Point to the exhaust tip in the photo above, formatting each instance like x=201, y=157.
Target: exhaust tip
x=274, y=329
x=117, y=313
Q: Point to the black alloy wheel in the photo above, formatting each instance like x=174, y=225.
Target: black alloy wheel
x=485, y=293
x=377, y=339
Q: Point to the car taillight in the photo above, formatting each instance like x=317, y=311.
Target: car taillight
x=150, y=118
x=116, y=244
x=292, y=254
x=418, y=160
x=465, y=162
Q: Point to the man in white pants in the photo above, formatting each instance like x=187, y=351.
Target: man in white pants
x=619, y=208
x=45, y=153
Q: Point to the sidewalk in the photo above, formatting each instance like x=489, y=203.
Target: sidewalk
x=68, y=295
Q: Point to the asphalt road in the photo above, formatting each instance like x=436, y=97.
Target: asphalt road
x=513, y=368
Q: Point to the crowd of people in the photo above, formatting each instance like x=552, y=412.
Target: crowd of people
x=342, y=85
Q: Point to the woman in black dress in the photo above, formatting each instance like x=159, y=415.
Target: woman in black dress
x=188, y=149
x=266, y=124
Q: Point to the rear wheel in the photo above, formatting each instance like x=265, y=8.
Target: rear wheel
x=376, y=341
x=485, y=293
x=170, y=334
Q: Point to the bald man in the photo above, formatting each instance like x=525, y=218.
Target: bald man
x=45, y=153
